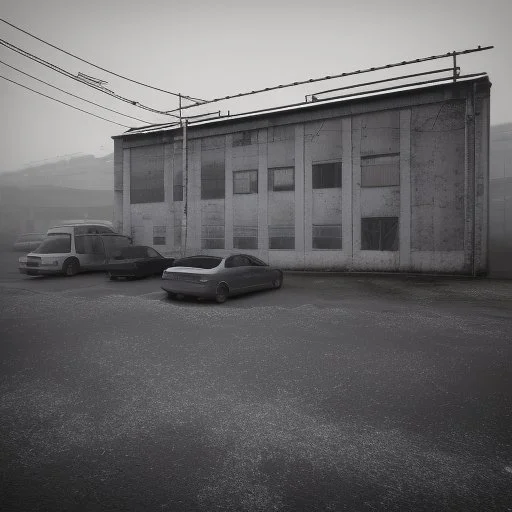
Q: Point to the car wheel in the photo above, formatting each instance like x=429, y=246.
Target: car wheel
x=70, y=268
x=112, y=277
x=222, y=293
x=277, y=282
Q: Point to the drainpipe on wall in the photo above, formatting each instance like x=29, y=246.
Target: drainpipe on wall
x=184, y=226
x=474, y=181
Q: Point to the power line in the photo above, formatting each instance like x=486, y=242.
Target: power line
x=341, y=75
x=74, y=95
x=78, y=79
x=196, y=100
x=64, y=103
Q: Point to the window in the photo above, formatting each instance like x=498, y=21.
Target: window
x=327, y=236
x=327, y=175
x=213, y=181
x=379, y=234
x=159, y=235
x=152, y=253
x=243, y=138
x=281, y=179
x=147, y=174
x=198, y=262
x=245, y=237
x=212, y=237
x=238, y=261
x=245, y=182
x=54, y=244
x=281, y=237
x=380, y=171
x=177, y=174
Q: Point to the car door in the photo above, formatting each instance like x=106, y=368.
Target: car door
x=153, y=263
x=239, y=275
x=261, y=273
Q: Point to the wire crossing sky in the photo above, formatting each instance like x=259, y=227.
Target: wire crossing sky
x=153, y=50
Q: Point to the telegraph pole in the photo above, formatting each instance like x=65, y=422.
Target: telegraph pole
x=185, y=186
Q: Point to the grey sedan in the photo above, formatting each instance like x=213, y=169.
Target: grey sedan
x=213, y=277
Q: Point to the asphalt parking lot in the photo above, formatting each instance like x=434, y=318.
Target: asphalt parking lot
x=334, y=393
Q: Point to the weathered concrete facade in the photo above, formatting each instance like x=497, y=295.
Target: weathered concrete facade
x=395, y=182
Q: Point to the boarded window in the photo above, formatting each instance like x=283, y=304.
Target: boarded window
x=212, y=237
x=244, y=138
x=159, y=235
x=245, y=182
x=245, y=237
x=281, y=178
x=281, y=237
x=379, y=234
x=327, y=236
x=327, y=175
x=381, y=171
x=147, y=174
x=177, y=178
x=213, y=182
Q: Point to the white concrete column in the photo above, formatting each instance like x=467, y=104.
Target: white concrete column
x=262, y=191
x=127, y=217
x=356, y=189
x=346, y=189
x=228, y=195
x=299, y=193
x=405, y=189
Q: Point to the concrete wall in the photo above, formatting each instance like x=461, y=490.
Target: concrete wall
x=431, y=147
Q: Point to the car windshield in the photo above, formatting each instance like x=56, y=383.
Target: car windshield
x=128, y=253
x=58, y=243
x=198, y=262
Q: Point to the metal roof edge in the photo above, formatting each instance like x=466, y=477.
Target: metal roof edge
x=314, y=105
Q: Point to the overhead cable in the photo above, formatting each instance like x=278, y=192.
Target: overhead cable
x=64, y=103
x=74, y=95
x=81, y=80
x=197, y=100
x=341, y=75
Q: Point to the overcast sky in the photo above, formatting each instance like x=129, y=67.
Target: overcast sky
x=209, y=49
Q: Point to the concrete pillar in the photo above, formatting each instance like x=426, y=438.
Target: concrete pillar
x=356, y=188
x=346, y=189
x=228, y=196
x=262, y=191
x=299, y=195
x=127, y=218
x=405, y=190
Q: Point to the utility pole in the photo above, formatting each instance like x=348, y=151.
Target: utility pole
x=184, y=226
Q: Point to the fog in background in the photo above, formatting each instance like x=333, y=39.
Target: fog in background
x=208, y=49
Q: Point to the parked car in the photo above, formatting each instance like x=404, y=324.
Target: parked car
x=67, y=250
x=28, y=242
x=214, y=277
x=137, y=261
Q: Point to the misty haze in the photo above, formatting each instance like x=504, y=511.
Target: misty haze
x=255, y=256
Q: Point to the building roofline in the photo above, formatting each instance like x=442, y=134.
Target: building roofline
x=397, y=91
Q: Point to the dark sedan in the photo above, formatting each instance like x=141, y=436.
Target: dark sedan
x=213, y=277
x=137, y=261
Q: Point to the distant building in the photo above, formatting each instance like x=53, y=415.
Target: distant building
x=391, y=182
x=500, y=254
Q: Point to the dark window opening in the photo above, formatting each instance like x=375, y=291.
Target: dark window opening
x=245, y=242
x=242, y=138
x=281, y=179
x=198, y=262
x=327, y=236
x=327, y=175
x=245, y=182
x=281, y=237
x=379, y=234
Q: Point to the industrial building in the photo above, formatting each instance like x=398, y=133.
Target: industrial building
x=396, y=181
